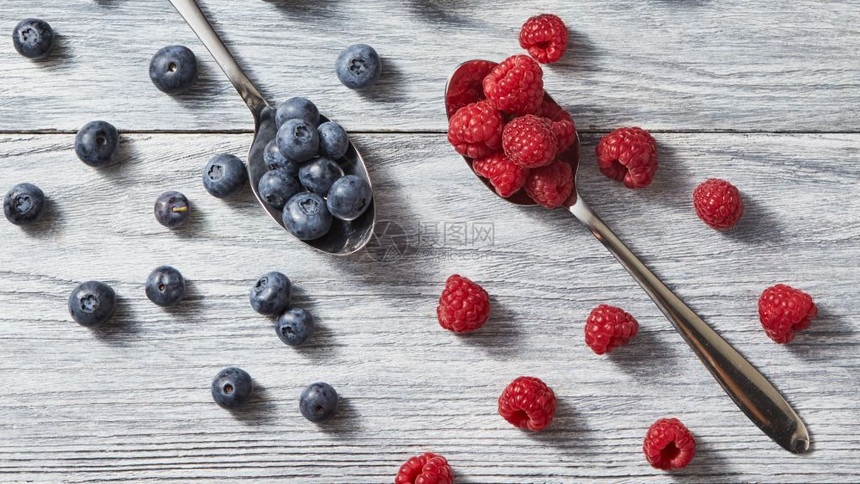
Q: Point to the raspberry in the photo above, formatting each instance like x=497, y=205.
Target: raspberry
x=515, y=86
x=550, y=185
x=425, y=469
x=506, y=176
x=468, y=86
x=464, y=306
x=608, y=327
x=669, y=445
x=628, y=155
x=475, y=130
x=718, y=203
x=529, y=141
x=545, y=37
x=784, y=310
x=562, y=123
x=528, y=403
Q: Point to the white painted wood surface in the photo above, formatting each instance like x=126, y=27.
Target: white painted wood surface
x=131, y=403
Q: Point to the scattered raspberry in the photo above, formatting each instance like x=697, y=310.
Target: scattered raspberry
x=528, y=403
x=628, y=155
x=550, y=185
x=464, y=306
x=515, y=86
x=545, y=37
x=425, y=469
x=608, y=327
x=669, y=445
x=784, y=310
x=529, y=141
x=506, y=176
x=476, y=130
x=468, y=87
x=718, y=203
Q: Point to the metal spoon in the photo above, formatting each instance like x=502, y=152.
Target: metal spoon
x=749, y=389
x=344, y=238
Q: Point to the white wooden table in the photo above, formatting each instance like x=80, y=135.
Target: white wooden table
x=765, y=96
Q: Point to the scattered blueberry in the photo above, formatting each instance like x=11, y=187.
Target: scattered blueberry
x=97, y=143
x=173, y=69
x=232, y=388
x=275, y=160
x=276, y=187
x=165, y=286
x=349, y=197
x=358, y=66
x=319, y=175
x=297, y=108
x=306, y=216
x=224, y=175
x=318, y=402
x=271, y=294
x=295, y=326
x=298, y=140
x=172, y=209
x=33, y=38
x=92, y=303
x=23, y=204
x=334, y=141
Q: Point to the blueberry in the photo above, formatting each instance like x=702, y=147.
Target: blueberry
x=306, y=216
x=349, y=197
x=274, y=160
x=297, y=108
x=97, y=143
x=319, y=175
x=232, y=388
x=276, y=187
x=33, y=38
x=224, y=175
x=172, y=209
x=24, y=204
x=92, y=303
x=298, y=140
x=358, y=66
x=271, y=294
x=318, y=402
x=165, y=286
x=173, y=69
x=295, y=326
x=333, y=140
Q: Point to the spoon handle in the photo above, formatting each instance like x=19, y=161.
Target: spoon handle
x=195, y=18
x=749, y=389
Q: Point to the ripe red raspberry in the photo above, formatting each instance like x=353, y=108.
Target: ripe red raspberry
x=464, y=306
x=468, y=86
x=669, y=445
x=718, y=203
x=608, y=327
x=476, y=130
x=515, y=86
x=550, y=185
x=562, y=123
x=784, y=310
x=506, y=176
x=628, y=155
x=528, y=403
x=425, y=469
x=545, y=37
x=529, y=141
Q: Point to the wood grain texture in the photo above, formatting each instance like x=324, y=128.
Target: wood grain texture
x=668, y=65
x=131, y=403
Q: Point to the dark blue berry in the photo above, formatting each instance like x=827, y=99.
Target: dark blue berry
x=232, y=388
x=173, y=69
x=165, y=286
x=318, y=402
x=24, y=204
x=334, y=141
x=319, y=175
x=276, y=187
x=358, y=66
x=92, y=303
x=297, y=108
x=224, y=175
x=172, y=209
x=295, y=326
x=274, y=160
x=298, y=140
x=33, y=38
x=97, y=143
x=306, y=216
x=349, y=197
x=271, y=294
